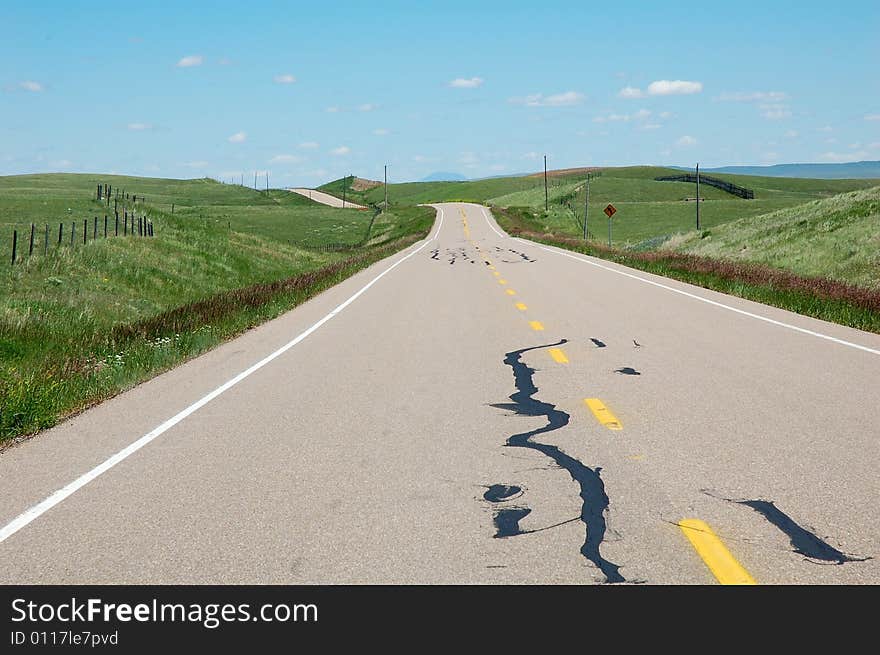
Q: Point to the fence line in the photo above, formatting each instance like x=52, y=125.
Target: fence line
x=103, y=195
x=733, y=189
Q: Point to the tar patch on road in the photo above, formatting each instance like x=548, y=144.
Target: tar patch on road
x=627, y=370
x=803, y=541
x=520, y=256
x=592, y=489
x=597, y=343
x=498, y=493
x=453, y=255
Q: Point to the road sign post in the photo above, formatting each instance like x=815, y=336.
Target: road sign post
x=698, y=197
x=610, y=211
x=586, y=207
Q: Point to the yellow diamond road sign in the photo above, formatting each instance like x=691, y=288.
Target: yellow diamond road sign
x=610, y=210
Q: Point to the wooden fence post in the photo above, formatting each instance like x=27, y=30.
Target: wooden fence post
x=85, y=230
x=73, y=234
x=31, y=247
x=105, y=226
x=95, y=229
x=117, y=224
x=14, y=244
x=60, y=232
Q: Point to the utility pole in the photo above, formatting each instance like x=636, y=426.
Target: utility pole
x=546, y=193
x=698, y=196
x=267, y=183
x=386, y=187
x=586, y=206
x=344, y=184
x=255, y=180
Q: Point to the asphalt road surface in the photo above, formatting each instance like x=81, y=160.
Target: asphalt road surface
x=326, y=198
x=474, y=409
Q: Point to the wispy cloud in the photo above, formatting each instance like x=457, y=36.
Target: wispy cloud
x=190, y=60
x=566, y=99
x=341, y=150
x=754, y=96
x=287, y=78
x=381, y=131
x=368, y=106
x=839, y=157
x=30, y=85
x=872, y=117
x=640, y=115
x=286, y=159
x=775, y=111
x=791, y=134
x=139, y=127
x=662, y=88
x=466, y=82
x=630, y=92
x=238, y=137
x=332, y=110
x=686, y=141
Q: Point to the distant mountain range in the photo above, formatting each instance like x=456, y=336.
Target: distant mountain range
x=441, y=176
x=849, y=170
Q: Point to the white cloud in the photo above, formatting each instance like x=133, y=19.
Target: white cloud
x=190, y=61
x=666, y=114
x=755, y=96
x=238, y=137
x=775, y=112
x=224, y=61
x=827, y=128
x=838, y=157
x=195, y=164
x=381, y=131
x=341, y=150
x=831, y=141
x=874, y=146
x=791, y=134
x=368, y=106
x=309, y=145
x=61, y=163
x=651, y=126
x=285, y=159
x=630, y=92
x=287, y=78
x=30, y=85
x=686, y=141
x=466, y=83
x=332, y=110
x=674, y=87
x=419, y=158
x=640, y=115
x=565, y=99
x=872, y=117
x=532, y=155
x=139, y=127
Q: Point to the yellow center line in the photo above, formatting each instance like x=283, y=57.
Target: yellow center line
x=492, y=268
x=714, y=553
x=502, y=281
x=536, y=325
x=558, y=355
x=521, y=306
x=603, y=414
x=496, y=274
x=510, y=292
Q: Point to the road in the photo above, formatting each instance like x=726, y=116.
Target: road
x=326, y=198
x=425, y=422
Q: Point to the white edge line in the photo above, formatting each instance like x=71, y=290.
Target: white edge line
x=688, y=294
x=44, y=506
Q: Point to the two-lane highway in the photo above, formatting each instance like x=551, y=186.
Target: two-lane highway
x=477, y=408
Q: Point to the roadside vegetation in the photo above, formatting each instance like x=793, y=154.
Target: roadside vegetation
x=83, y=323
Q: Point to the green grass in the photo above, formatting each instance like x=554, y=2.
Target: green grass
x=64, y=317
x=837, y=237
x=822, y=297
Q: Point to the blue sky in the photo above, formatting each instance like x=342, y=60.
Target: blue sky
x=313, y=91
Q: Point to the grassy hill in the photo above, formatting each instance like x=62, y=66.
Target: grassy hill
x=81, y=323
x=836, y=237
x=648, y=210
